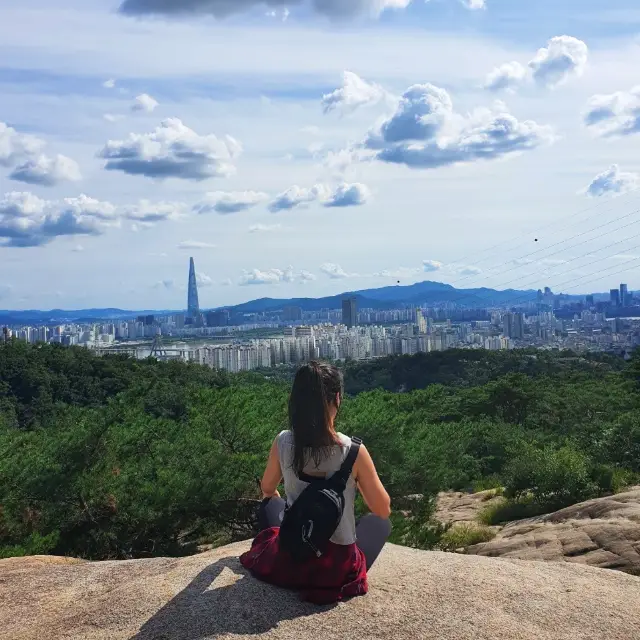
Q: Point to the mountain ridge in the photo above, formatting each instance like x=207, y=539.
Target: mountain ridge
x=426, y=292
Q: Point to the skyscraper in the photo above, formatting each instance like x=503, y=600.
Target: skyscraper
x=350, y=312
x=615, y=297
x=513, y=325
x=624, y=295
x=193, y=306
x=421, y=321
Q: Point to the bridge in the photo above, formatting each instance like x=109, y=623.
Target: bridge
x=157, y=351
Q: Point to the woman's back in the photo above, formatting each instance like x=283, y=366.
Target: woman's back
x=312, y=447
x=346, y=532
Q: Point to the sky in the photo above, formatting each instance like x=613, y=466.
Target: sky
x=310, y=147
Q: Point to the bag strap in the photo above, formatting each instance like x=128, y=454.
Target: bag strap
x=347, y=466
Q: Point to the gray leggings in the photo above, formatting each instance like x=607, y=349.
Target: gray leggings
x=371, y=531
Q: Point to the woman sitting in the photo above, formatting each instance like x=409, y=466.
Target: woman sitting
x=312, y=448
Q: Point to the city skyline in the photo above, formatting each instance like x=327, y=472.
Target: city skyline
x=244, y=140
x=349, y=303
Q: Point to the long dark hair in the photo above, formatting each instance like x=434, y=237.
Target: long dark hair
x=315, y=388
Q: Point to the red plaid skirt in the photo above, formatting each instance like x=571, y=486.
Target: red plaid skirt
x=340, y=573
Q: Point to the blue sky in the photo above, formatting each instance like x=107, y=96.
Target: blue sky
x=132, y=137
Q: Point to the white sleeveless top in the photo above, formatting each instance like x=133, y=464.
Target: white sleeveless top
x=346, y=532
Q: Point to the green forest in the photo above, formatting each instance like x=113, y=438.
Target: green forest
x=110, y=457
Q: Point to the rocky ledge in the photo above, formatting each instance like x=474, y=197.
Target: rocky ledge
x=413, y=594
x=603, y=533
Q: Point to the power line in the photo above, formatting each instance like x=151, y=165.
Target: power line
x=550, y=225
x=561, y=242
x=584, y=277
x=521, y=285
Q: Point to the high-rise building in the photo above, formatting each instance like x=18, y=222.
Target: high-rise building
x=615, y=297
x=350, y=312
x=421, y=322
x=590, y=301
x=193, y=305
x=292, y=314
x=218, y=318
x=513, y=325
x=624, y=295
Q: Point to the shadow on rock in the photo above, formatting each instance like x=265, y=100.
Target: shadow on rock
x=223, y=599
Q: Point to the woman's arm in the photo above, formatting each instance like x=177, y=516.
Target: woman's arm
x=371, y=488
x=272, y=474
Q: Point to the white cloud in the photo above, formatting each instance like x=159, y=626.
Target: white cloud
x=426, y=133
x=78, y=248
x=112, y=117
x=400, y=272
x=470, y=271
x=613, y=181
x=296, y=196
x=47, y=172
x=144, y=102
x=172, y=151
x=270, y=276
x=354, y=92
x=429, y=266
x=150, y=212
x=24, y=154
x=343, y=195
x=564, y=57
x=616, y=114
x=348, y=195
x=338, y=162
x=229, y=202
x=474, y=4
x=507, y=76
x=335, y=271
x=109, y=84
x=28, y=221
x=165, y=284
x=335, y=9
x=307, y=276
x=17, y=147
x=195, y=244
x=264, y=228
x=203, y=280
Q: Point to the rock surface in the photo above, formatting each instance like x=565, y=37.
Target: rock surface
x=602, y=533
x=453, y=507
x=413, y=594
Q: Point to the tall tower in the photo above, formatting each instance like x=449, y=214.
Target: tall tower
x=624, y=295
x=193, y=306
x=350, y=311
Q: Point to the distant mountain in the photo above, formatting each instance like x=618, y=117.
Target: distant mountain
x=389, y=297
x=61, y=316
x=428, y=292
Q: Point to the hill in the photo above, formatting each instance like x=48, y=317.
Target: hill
x=413, y=594
x=385, y=297
x=426, y=292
